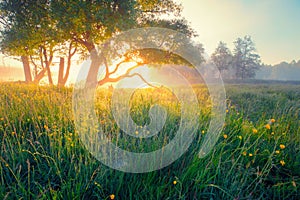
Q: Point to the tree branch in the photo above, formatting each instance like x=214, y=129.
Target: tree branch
x=34, y=64
x=155, y=11
x=143, y=79
x=70, y=47
x=127, y=74
x=41, y=58
x=117, y=66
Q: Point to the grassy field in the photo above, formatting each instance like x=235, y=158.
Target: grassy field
x=256, y=157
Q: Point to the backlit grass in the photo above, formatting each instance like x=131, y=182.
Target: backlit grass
x=257, y=155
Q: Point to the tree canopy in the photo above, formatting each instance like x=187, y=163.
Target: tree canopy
x=222, y=57
x=245, y=60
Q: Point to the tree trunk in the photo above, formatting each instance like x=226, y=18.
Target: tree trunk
x=39, y=76
x=61, y=72
x=65, y=78
x=91, y=79
x=49, y=74
x=26, y=67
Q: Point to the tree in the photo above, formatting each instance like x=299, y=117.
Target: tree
x=97, y=21
x=245, y=60
x=222, y=57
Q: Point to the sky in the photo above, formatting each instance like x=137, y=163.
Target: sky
x=274, y=25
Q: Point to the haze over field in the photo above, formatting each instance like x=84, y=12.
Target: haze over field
x=273, y=26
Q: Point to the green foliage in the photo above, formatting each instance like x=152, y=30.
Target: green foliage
x=29, y=24
x=245, y=60
x=222, y=57
x=242, y=64
x=42, y=157
x=45, y=29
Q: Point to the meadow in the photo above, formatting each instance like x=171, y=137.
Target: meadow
x=256, y=157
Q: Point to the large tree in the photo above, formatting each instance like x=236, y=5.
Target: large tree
x=97, y=21
x=245, y=59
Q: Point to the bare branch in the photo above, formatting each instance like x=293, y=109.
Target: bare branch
x=34, y=64
x=113, y=80
x=41, y=58
x=155, y=11
x=143, y=79
x=107, y=79
x=70, y=48
x=118, y=65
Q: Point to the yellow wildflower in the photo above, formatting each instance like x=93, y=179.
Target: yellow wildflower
x=250, y=154
x=282, y=146
x=282, y=162
x=202, y=131
x=277, y=151
x=244, y=153
x=174, y=182
x=46, y=127
x=272, y=120
x=227, y=111
x=254, y=130
x=136, y=132
x=112, y=196
x=268, y=126
x=225, y=136
x=240, y=137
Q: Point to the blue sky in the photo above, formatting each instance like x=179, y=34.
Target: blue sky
x=274, y=25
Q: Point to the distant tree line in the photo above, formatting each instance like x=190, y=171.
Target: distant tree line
x=283, y=71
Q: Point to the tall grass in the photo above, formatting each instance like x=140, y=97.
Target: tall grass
x=256, y=157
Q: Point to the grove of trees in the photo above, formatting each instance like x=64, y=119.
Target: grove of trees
x=39, y=32
x=243, y=63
